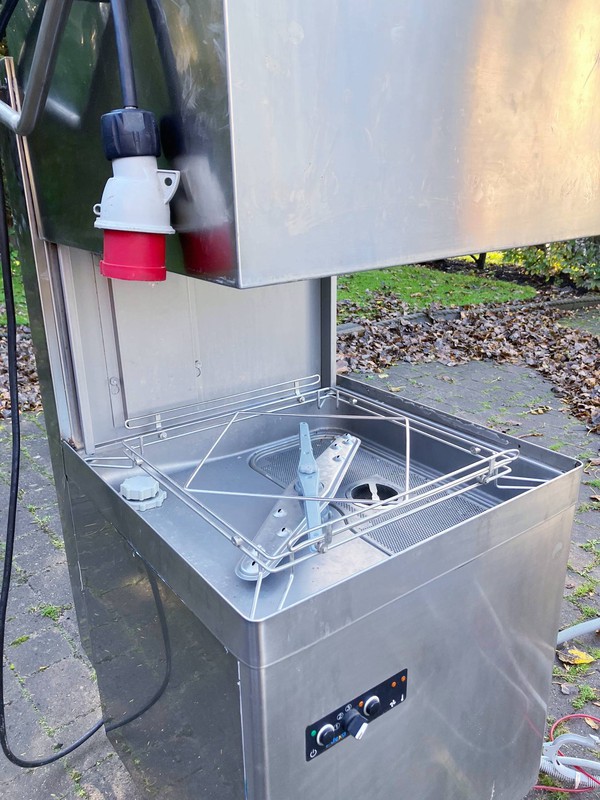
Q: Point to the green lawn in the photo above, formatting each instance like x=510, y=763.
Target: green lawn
x=20, y=304
x=419, y=287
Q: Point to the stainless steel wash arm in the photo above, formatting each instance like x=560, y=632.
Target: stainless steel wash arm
x=54, y=18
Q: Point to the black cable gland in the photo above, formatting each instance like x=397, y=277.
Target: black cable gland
x=130, y=132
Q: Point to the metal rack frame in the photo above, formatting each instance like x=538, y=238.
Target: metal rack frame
x=486, y=464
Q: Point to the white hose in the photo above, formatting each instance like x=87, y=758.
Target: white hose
x=589, y=626
x=578, y=779
x=568, y=769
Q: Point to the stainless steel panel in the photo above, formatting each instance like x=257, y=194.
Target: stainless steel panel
x=473, y=616
x=320, y=138
x=137, y=348
x=176, y=684
x=477, y=646
x=371, y=135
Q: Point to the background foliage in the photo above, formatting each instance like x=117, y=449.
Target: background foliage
x=577, y=260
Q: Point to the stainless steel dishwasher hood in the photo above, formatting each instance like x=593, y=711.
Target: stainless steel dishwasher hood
x=338, y=592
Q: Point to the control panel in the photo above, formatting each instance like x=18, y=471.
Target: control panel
x=354, y=717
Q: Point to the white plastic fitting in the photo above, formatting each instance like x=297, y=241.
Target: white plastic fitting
x=137, y=198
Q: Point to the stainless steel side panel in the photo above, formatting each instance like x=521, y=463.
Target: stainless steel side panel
x=317, y=138
x=176, y=684
x=477, y=643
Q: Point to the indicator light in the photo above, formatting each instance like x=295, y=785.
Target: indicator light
x=313, y=733
x=361, y=704
x=394, y=684
x=403, y=679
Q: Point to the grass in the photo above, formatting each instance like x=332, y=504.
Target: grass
x=591, y=546
x=19, y=292
x=20, y=640
x=419, y=287
x=593, y=506
x=50, y=611
x=586, y=695
x=586, y=589
x=546, y=780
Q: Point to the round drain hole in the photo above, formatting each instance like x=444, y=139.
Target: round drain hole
x=373, y=491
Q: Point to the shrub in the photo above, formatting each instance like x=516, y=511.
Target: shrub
x=577, y=260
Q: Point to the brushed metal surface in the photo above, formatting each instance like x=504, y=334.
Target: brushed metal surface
x=136, y=348
x=367, y=135
x=199, y=563
x=322, y=138
x=473, y=619
x=477, y=643
x=187, y=744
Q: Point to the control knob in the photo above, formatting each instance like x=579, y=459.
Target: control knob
x=372, y=706
x=325, y=735
x=354, y=723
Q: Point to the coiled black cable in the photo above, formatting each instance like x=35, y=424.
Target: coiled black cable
x=5, y=14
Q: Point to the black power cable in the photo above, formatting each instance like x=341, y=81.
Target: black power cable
x=5, y=15
x=11, y=326
x=127, y=79
x=125, y=59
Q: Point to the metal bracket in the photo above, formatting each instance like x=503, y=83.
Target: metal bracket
x=52, y=26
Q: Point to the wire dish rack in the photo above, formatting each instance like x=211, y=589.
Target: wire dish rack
x=389, y=478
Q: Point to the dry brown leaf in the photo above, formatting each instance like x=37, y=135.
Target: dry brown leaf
x=592, y=723
x=540, y=410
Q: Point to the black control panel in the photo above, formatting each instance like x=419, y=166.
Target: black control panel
x=354, y=717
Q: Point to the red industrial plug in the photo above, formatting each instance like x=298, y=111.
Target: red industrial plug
x=134, y=212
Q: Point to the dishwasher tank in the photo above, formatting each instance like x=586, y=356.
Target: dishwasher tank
x=292, y=584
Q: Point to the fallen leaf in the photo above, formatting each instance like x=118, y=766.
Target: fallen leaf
x=575, y=656
x=527, y=334
x=591, y=723
x=395, y=388
x=540, y=410
x=565, y=688
x=595, y=498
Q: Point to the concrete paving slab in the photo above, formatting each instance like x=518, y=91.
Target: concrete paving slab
x=585, y=320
